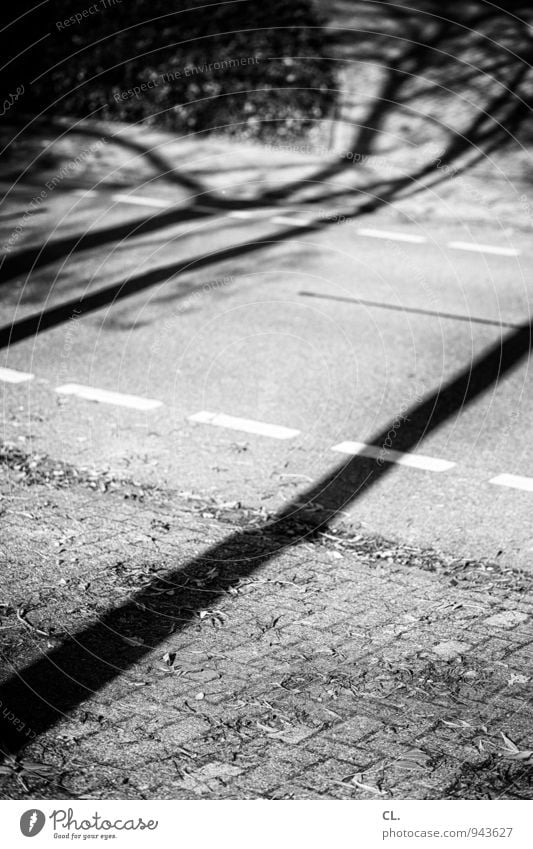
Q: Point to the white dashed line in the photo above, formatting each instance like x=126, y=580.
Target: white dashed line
x=361, y=449
x=140, y=201
x=485, y=249
x=262, y=214
x=9, y=375
x=385, y=234
x=296, y=222
x=104, y=396
x=248, y=425
x=514, y=481
x=375, y=452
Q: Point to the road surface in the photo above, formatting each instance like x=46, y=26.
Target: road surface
x=212, y=340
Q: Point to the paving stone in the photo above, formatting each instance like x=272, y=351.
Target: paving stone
x=507, y=619
x=451, y=649
x=354, y=729
x=357, y=678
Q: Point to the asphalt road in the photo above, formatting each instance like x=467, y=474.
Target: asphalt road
x=340, y=330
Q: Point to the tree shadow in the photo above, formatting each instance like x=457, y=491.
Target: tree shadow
x=164, y=169
x=31, y=325
x=431, y=45
x=451, y=47
x=42, y=693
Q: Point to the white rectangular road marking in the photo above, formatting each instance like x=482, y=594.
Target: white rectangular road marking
x=514, y=481
x=260, y=214
x=8, y=375
x=385, y=234
x=104, y=396
x=375, y=452
x=141, y=201
x=485, y=249
x=248, y=425
x=296, y=222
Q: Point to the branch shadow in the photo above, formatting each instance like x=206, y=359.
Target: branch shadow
x=34, y=324
x=426, y=43
x=419, y=56
x=165, y=170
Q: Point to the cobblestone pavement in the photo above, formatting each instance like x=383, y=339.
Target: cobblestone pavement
x=197, y=666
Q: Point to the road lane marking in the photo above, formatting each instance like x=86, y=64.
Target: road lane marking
x=296, y=222
x=218, y=210
x=514, y=481
x=376, y=452
x=262, y=213
x=242, y=214
x=385, y=234
x=9, y=375
x=485, y=249
x=141, y=201
x=248, y=425
x=104, y=396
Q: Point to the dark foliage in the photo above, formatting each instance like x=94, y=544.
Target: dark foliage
x=252, y=67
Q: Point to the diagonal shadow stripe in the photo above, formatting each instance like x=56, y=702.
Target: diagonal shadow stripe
x=37, y=256
x=383, y=305
x=32, y=258
x=44, y=691
x=36, y=323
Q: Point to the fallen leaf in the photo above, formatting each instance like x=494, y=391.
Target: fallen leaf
x=513, y=752
x=362, y=786
x=132, y=641
x=456, y=723
x=412, y=759
x=510, y=746
x=517, y=679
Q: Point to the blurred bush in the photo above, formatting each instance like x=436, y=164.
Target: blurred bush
x=255, y=68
